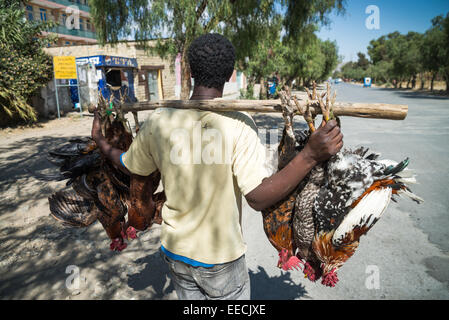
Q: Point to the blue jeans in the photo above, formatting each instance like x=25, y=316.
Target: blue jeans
x=226, y=281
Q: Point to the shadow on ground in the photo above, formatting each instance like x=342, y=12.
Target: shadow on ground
x=18, y=186
x=426, y=94
x=282, y=287
x=155, y=275
x=48, y=259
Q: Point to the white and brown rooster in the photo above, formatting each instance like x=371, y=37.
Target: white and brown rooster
x=338, y=201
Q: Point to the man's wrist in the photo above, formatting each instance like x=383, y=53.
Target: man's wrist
x=307, y=156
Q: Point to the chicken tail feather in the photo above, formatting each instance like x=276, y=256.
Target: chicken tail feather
x=71, y=209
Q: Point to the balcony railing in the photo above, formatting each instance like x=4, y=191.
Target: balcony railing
x=82, y=7
x=74, y=32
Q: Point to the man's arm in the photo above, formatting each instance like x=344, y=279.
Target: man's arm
x=113, y=154
x=323, y=143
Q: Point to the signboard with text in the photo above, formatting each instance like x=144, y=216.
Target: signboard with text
x=64, y=67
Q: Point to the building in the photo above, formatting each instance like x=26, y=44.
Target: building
x=152, y=78
x=74, y=27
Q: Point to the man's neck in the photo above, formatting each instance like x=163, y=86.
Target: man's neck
x=205, y=93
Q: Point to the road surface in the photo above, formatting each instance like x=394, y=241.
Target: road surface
x=405, y=256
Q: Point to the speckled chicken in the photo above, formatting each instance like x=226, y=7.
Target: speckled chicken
x=277, y=219
x=336, y=203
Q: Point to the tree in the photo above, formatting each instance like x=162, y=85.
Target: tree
x=24, y=66
x=362, y=62
x=397, y=57
x=301, y=15
x=377, y=50
x=413, y=57
x=397, y=54
x=267, y=56
x=174, y=24
x=331, y=59
x=380, y=72
x=350, y=70
x=435, y=49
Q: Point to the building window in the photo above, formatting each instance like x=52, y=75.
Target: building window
x=67, y=43
x=81, y=24
x=64, y=19
x=30, y=13
x=43, y=13
x=87, y=24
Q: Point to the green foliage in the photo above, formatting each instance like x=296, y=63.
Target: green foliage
x=247, y=94
x=399, y=57
x=302, y=15
x=253, y=26
x=310, y=60
x=24, y=66
x=435, y=48
x=363, y=62
x=267, y=53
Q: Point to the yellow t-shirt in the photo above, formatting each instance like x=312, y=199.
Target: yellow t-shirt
x=207, y=161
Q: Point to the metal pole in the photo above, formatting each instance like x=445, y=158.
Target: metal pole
x=79, y=92
x=57, y=99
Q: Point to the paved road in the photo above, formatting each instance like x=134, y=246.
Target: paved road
x=409, y=246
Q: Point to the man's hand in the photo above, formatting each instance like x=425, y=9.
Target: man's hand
x=325, y=142
x=96, y=127
x=113, y=154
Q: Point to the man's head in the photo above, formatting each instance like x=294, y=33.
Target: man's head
x=211, y=58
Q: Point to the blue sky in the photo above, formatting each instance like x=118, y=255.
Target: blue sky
x=352, y=36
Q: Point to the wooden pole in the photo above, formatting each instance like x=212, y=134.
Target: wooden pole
x=361, y=110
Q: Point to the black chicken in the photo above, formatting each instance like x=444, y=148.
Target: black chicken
x=100, y=191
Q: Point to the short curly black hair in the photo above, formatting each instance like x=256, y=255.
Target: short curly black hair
x=211, y=58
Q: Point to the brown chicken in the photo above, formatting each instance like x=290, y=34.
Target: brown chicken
x=277, y=219
x=102, y=192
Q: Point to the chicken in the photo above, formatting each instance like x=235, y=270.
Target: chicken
x=339, y=201
x=277, y=219
x=102, y=192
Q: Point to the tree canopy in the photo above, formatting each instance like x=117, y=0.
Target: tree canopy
x=173, y=24
x=24, y=66
x=397, y=58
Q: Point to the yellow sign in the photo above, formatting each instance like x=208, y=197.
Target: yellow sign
x=65, y=67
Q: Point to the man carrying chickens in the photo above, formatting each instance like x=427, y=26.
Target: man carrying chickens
x=201, y=237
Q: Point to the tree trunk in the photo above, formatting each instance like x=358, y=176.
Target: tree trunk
x=446, y=78
x=431, y=81
x=186, y=82
x=263, y=89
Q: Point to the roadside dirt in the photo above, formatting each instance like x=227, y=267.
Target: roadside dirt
x=40, y=258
